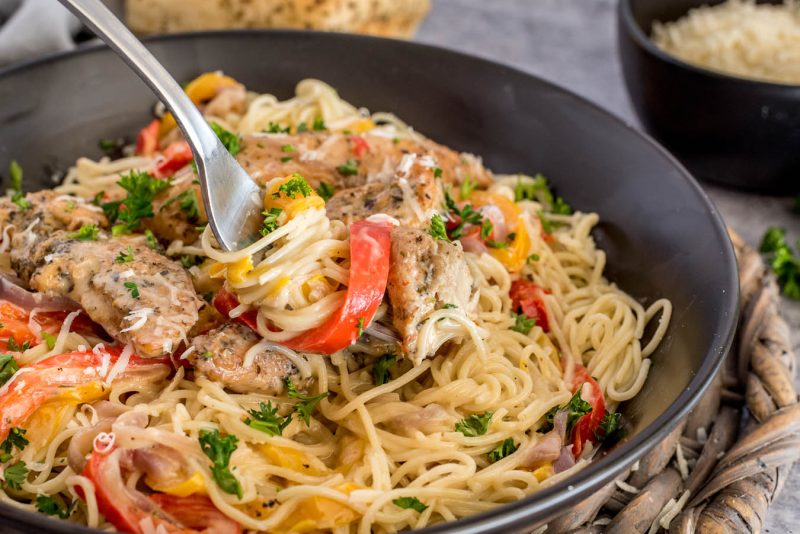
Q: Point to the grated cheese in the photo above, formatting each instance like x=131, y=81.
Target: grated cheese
x=121, y=364
x=138, y=319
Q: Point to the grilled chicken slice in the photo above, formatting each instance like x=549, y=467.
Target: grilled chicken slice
x=153, y=312
x=425, y=274
x=324, y=157
x=178, y=211
x=411, y=197
x=219, y=355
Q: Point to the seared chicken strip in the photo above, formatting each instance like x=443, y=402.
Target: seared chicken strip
x=347, y=161
x=178, y=211
x=219, y=355
x=411, y=196
x=425, y=274
x=146, y=299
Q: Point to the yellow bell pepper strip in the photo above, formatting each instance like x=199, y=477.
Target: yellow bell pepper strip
x=200, y=90
x=515, y=254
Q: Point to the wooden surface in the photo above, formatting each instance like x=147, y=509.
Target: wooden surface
x=573, y=43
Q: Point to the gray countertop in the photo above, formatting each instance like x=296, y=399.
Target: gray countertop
x=573, y=43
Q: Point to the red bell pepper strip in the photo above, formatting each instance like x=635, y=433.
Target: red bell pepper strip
x=147, y=140
x=528, y=298
x=130, y=511
x=585, y=427
x=15, y=324
x=369, y=272
x=360, y=145
x=33, y=385
x=176, y=156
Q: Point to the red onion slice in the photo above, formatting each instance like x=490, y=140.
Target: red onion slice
x=10, y=291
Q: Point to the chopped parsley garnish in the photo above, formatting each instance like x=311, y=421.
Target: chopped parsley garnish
x=207, y=355
x=151, y=240
x=533, y=257
x=475, y=425
x=380, y=369
x=133, y=288
x=501, y=451
x=466, y=215
x=190, y=260
x=449, y=306
x=188, y=202
x=286, y=159
x=14, y=440
x=88, y=232
x=16, y=347
x=350, y=168
x=522, y=323
x=142, y=188
x=8, y=366
x=297, y=185
x=576, y=408
x=783, y=261
x=49, y=506
x=467, y=187
x=410, y=503
x=15, y=175
x=98, y=198
x=360, y=327
x=15, y=475
x=219, y=450
x=270, y=221
x=229, y=140
x=437, y=171
x=111, y=147
x=287, y=148
x=267, y=420
x=50, y=339
x=302, y=127
x=325, y=190
x=305, y=408
x=539, y=190
x=125, y=256
x=611, y=429
x=276, y=128
x=486, y=229
x=438, y=230
x=319, y=125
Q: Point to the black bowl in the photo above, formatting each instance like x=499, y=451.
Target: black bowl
x=726, y=129
x=663, y=236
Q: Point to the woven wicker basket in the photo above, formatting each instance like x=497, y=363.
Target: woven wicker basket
x=719, y=471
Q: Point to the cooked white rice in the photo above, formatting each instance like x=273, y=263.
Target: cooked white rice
x=738, y=37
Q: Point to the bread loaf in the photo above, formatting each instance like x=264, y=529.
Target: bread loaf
x=391, y=18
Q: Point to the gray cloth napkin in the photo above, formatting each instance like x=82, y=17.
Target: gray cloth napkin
x=32, y=28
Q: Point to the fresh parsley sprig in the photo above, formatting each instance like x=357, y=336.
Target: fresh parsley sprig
x=475, y=425
x=506, y=448
x=576, y=408
x=267, y=420
x=219, y=450
x=15, y=440
x=8, y=366
x=410, y=503
x=783, y=261
x=307, y=405
x=381, y=367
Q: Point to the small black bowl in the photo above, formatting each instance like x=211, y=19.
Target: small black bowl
x=725, y=129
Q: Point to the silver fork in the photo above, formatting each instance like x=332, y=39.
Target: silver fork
x=232, y=199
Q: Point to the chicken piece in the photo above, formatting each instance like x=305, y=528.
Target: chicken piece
x=48, y=213
x=147, y=301
x=324, y=157
x=424, y=275
x=411, y=198
x=178, y=211
x=219, y=356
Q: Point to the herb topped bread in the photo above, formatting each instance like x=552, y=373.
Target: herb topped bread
x=391, y=18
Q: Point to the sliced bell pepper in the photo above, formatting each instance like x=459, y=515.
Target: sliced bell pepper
x=147, y=140
x=528, y=298
x=37, y=383
x=369, y=272
x=176, y=156
x=584, y=429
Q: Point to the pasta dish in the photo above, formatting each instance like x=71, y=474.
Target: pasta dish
x=410, y=340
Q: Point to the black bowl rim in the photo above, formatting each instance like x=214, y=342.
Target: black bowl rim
x=645, y=42
x=546, y=502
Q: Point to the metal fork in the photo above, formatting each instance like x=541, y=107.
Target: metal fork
x=232, y=199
